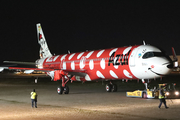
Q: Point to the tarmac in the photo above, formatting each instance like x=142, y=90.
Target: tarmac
x=85, y=101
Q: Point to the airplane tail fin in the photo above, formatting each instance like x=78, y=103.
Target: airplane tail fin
x=175, y=59
x=44, y=50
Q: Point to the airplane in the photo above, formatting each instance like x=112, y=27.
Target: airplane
x=128, y=62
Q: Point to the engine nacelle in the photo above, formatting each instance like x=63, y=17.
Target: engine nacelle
x=39, y=63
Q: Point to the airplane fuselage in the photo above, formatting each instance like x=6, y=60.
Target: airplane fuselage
x=130, y=62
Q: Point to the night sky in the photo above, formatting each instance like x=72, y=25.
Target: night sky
x=86, y=25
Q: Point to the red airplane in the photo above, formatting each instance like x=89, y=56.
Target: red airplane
x=129, y=62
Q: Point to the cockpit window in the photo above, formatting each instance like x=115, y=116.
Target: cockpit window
x=153, y=54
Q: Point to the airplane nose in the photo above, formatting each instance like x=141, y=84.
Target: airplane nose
x=163, y=69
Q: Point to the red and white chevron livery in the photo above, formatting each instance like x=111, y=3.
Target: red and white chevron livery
x=130, y=62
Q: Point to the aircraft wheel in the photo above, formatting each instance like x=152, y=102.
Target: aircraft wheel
x=108, y=87
x=144, y=95
x=114, y=88
x=59, y=90
x=66, y=90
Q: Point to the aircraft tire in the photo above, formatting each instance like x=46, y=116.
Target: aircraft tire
x=114, y=88
x=66, y=90
x=108, y=87
x=59, y=90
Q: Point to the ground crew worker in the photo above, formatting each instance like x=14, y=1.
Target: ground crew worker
x=162, y=98
x=34, y=98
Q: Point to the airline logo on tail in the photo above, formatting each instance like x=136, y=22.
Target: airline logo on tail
x=40, y=35
x=39, y=27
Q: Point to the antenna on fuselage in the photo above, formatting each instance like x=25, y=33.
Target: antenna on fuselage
x=69, y=51
x=144, y=42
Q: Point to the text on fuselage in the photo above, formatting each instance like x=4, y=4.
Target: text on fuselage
x=119, y=59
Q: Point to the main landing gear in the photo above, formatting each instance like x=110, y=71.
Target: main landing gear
x=63, y=88
x=111, y=87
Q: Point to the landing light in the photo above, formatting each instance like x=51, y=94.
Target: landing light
x=167, y=93
x=176, y=93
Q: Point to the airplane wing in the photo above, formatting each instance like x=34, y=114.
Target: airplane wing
x=30, y=70
x=17, y=62
x=26, y=70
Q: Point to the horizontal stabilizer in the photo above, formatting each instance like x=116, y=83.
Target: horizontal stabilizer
x=1, y=69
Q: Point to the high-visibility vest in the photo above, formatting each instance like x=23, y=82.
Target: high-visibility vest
x=161, y=94
x=33, y=95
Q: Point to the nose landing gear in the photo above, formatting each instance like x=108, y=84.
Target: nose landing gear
x=111, y=87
